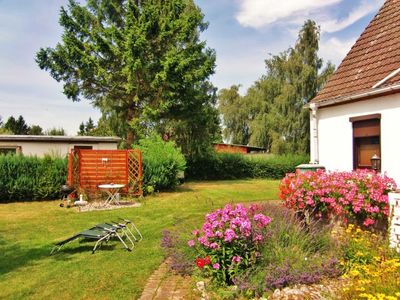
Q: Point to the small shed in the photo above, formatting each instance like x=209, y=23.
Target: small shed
x=234, y=148
x=39, y=145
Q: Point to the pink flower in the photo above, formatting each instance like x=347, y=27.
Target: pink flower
x=257, y=238
x=368, y=222
x=195, y=232
x=214, y=245
x=216, y=266
x=191, y=243
x=229, y=235
x=236, y=259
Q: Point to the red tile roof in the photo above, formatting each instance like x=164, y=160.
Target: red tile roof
x=374, y=56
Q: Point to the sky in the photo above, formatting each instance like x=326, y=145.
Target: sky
x=243, y=32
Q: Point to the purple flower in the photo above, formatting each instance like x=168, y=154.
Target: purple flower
x=216, y=266
x=191, y=243
x=263, y=220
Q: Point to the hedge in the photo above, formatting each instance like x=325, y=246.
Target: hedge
x=28, y=178
x=221, y=166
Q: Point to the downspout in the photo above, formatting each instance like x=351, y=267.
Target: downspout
x=314, y=133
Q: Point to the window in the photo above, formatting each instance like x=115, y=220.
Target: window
x=366, y=140
x=9, y=150
x=83, y=147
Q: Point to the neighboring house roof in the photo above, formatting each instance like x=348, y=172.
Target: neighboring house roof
x=374, y=56
x=243, y=146
x=59, y=139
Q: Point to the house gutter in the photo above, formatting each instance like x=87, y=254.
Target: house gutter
x=314, y=133
x=355, y=97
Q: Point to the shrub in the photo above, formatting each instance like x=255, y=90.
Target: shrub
x=371, y=267
x=221, y=166
x=229, y=241
x=294, y=253
x=162, y=163
x=360, y=195
x=31, y=178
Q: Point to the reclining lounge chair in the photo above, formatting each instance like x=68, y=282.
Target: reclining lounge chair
x=99, y=234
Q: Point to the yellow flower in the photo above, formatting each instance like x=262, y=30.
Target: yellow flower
x=359, y=253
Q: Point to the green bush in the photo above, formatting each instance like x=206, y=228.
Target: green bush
x=221, y=166
x=162, y=163
x=27, y=178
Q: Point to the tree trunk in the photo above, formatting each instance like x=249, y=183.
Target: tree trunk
x=131, y=134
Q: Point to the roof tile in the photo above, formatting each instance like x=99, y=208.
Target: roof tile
x=374, y=56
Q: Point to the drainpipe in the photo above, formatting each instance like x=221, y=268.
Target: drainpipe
x=314, y=133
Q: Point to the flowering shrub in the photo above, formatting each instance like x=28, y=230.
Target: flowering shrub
x=359, y=195
x=229, y=241
x=371, y=268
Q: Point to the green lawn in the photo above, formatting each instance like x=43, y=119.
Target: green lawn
x=27, y=231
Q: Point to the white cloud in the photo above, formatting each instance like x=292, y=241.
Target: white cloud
x=365, y=8
x=335, y=50
x=258, y=13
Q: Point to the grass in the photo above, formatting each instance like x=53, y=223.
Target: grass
x=27, y=231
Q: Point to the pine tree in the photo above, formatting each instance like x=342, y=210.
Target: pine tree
x=141, y=62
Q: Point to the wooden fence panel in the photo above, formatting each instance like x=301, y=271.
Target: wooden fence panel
x=87, y=169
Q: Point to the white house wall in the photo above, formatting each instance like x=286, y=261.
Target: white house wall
x=60, y=149
x=335, y=134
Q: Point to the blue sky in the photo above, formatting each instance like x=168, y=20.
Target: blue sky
x=243, y=33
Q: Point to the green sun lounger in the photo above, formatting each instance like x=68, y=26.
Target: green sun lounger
x=97, y=234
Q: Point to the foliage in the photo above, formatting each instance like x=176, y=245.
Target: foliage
x=35, y=130
x=294, y=253
x=86, y=128
x=24, y=178
x=229, y=241
x=235, y=112
x=221, y=166
x=162, y=163
x=140, y=62
x=16, y=126
x=360, y=196
x=371, y=267
x=272, y=114
x=197, y=128
x=55, y=131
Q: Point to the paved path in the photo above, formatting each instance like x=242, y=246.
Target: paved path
x=165, y=285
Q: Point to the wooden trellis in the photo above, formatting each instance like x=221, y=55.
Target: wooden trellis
x=87, y=169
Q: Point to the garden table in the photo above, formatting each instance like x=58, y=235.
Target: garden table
x=112, y=192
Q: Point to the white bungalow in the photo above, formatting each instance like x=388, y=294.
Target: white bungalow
x=357, y=114
x=41, y=145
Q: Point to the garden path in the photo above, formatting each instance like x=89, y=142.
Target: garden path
x=165, y=285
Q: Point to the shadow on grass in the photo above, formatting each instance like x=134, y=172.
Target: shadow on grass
x=179, y=189
x=15, y=256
